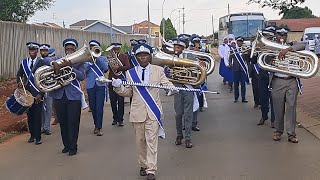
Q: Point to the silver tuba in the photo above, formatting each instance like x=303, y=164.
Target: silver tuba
x=206, y=59
x=179, y=70
x=45, y=78
x=301, y=64
x=114, y=60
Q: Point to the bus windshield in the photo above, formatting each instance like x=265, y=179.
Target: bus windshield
x=245, y=28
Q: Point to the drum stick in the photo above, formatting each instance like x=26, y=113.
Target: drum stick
x=24, y=89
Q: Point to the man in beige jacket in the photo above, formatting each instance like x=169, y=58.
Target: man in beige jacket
x=146, y=110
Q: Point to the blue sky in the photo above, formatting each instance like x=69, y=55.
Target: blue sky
x=126, y=12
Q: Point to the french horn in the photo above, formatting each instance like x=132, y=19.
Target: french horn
x=113, y=61
x=45, y=78
x=300, y=64
x=179, y=70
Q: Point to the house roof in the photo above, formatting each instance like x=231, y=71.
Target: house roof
x=83, y=23
x=48, y=24
x=297, y=25
x=127, y=29
x=145, y=23
x=104, y=23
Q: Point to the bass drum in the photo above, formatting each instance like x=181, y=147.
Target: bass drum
x=19, y=102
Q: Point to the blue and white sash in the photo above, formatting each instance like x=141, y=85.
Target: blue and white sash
x=299, y=85
x=133, y=59
x=241, y=62
x=29, y=74
x=76, y=84
x=148, y=100
x=256, y=68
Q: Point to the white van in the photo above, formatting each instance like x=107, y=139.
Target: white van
x=310, y=35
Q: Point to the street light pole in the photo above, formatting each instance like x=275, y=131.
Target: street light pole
x=149, y=29
x=163, y=23
x=111, y=33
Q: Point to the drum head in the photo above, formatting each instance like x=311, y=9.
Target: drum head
x=22, y=98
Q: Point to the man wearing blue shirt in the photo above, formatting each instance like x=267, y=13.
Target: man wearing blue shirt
x=96, y=90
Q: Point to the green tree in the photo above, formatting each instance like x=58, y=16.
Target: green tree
x=277, y=4
x=170, y=31
x=22, y=10
x=297, y=13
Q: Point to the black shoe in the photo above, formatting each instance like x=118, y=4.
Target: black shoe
x=143, y=171
x=72, y=152
x=196, y=128
x=272, y=125
x=151, y=177
x=178, y=140
x=261, y=122
x=235, y=101
x=43, y=131
x=256, y=106
x=121, y=124
x=38, y=142
x=65, y=150
x=244, y=101
x=183, y=128
x=188, y=144
x=31, y=140
x=201, y=109
x=47, y=132
x=114, y=123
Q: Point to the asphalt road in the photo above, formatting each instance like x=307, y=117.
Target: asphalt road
x=230, y=146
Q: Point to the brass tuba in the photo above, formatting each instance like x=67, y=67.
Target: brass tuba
x=207, y=59
x=45, y=78
x=114, y=60
x=179, y=70
x=301, y=64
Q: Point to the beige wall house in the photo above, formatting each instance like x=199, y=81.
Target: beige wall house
x=296, y=26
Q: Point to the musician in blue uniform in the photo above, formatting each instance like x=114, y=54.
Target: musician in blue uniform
x=26, y=72
x=47, y=102
x=68, y=101
x=263, y=84
x=183, y=101
x=132, y=58
x=239, y=68
x=96, y=90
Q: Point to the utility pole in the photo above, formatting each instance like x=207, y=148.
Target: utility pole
x=149, y=29
x=63, y=24
x=183, y=20
x=111, y=33
x=213, y=29
x=228, y=9
x=163, y=23
x=179, y=23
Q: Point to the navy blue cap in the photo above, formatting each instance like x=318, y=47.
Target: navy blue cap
x=270, y=30
x=195, y=38
x=180, y=42
x=142, y=48
x=134, y=42
x=240, y=38
x=142, y=41
x=184, y=36
x=70, y=41
x=44, y=46
x=51, y=52
x=33, y=45
x=282, y=31
x=94, y=43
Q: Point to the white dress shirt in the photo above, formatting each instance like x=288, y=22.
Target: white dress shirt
x=30, y=61
x=146, y=73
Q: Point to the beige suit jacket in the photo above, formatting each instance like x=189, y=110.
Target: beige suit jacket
x=139, y=110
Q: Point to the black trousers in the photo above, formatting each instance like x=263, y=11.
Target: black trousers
x=265, y=98
x=117, y=105
x=69, y=113
x=34, y=120
x=255, y=89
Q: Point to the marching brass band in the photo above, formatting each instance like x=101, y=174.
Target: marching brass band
x=181, y=65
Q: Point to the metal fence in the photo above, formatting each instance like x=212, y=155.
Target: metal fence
x=14, y=36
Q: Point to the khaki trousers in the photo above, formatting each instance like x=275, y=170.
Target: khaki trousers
x=147, y=144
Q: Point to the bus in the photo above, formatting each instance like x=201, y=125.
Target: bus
x=241, y=24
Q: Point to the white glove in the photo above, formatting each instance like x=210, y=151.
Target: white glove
x=116, y=82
